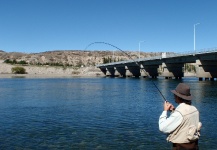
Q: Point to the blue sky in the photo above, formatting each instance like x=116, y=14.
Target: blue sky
x=165, y=25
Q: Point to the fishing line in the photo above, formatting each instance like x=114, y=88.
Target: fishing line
x=132, y=60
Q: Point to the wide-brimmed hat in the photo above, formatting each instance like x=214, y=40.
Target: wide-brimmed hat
x=182, y=90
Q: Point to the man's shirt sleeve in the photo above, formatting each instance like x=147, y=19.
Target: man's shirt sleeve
x=167, y=125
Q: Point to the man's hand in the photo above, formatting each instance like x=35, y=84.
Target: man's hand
x=168, y=106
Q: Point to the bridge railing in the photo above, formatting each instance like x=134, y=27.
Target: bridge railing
x=187, y=53
x=209, y=50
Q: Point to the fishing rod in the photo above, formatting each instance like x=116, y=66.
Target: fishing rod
x=133, y=61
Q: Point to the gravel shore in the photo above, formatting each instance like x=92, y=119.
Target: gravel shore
x=49, y=71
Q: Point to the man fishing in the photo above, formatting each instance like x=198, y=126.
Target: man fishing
x=183, y=125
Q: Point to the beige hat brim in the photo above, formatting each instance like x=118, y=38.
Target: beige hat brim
x=182, y=96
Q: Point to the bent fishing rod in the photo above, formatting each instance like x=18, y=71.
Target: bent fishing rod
x=132, y=60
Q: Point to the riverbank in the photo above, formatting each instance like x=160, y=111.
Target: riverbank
x=49, y=71
x=55, y=72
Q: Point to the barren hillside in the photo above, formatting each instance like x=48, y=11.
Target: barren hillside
x=76, y=58
x=63, y=62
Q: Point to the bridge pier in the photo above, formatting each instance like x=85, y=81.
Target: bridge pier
x=151, y=67
x=103, y=70
x=206, y=69
x=134, y=70
x=172, y=70
x=151, y=70
x=111, y=71
x=143, y=73
x=128, y=73
x=121, y=70
x=200, y=79
x=206, y=79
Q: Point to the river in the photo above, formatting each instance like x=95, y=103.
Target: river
x=96, y=113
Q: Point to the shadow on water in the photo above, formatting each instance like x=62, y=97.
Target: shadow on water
x=18, y=76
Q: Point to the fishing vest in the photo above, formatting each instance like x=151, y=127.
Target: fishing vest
x=187, y=131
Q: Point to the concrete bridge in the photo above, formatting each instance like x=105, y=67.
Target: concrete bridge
x=168, y=66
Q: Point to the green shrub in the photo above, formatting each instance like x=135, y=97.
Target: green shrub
x=18, y=70
x=22, y=62
x=8, y=61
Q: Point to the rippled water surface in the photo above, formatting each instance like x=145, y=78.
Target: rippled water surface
x=95, y=113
